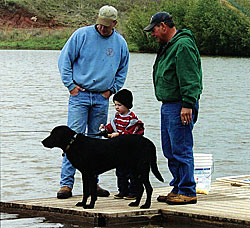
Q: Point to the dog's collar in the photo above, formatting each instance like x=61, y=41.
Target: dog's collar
x=71, y=141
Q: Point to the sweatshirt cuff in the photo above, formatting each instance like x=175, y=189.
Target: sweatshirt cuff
x=112, y=90
x=71, y=86
x=187, y=105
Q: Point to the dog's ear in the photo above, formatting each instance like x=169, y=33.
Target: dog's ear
x=65, y=130
x=60, y=137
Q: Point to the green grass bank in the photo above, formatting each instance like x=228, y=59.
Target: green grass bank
x=221, y=27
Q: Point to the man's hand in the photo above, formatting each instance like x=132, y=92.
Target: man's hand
x=106, y=94
x=186, y=116
x=76, y=90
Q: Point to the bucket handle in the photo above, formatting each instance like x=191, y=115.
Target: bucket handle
x=212, y=171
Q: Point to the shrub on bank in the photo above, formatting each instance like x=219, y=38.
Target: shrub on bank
x=218, y=30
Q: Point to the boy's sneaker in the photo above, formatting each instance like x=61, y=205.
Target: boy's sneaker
x=119, y=196
x=129, y=197
x=102, y=192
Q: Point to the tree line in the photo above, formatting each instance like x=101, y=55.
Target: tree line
x=218, y=29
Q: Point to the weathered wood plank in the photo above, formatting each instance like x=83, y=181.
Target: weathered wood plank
x=224, y=204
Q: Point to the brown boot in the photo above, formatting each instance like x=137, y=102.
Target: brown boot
x=164, y=198
x=64, y=193
x=181, y=199
x=102, y=192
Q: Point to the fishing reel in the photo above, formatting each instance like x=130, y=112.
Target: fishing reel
x=103, y=132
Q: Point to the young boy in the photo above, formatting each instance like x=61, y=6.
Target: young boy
x=124, y=122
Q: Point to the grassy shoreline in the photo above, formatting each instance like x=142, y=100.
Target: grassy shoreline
x=39, y=38
x=222, y=29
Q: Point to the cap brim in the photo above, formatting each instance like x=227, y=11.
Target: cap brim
x=149, y=27
x=104, y=21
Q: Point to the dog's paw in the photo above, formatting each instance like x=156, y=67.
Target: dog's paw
x=80, y=204
x=145, y=206
x=88, y=206
x=134, y=204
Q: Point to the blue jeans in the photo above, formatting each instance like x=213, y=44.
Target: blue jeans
x=177, y=146
x=87, y=110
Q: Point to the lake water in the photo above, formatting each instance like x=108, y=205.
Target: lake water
x=33, y=98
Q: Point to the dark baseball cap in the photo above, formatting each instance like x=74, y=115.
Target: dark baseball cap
x=158, y=18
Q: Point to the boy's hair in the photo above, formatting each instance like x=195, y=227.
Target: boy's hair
x=125, y=97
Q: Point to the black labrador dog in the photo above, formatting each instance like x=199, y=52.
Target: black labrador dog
x=92, y=156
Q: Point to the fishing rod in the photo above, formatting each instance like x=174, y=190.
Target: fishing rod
x=102, y=132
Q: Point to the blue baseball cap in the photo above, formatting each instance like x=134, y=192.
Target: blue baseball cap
x=157, y=19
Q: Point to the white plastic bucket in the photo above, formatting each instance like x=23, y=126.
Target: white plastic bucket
x=203, y=168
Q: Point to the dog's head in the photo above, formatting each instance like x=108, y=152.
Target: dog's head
x=59, y=137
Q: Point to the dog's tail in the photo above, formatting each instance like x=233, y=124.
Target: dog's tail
x=153, y=164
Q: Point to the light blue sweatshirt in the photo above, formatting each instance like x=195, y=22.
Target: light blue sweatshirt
x=94, y=62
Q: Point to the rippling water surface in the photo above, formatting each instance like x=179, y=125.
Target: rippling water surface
x=33, y=98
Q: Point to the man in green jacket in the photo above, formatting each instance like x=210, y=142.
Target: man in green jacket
x=177, y=77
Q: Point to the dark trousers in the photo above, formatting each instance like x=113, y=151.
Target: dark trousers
x=125, y=181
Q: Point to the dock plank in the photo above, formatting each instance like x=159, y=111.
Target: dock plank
x=224, y=204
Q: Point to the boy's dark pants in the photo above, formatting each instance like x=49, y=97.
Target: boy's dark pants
x=125, y=181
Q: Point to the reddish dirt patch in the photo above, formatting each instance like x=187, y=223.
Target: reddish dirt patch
x=21, y=18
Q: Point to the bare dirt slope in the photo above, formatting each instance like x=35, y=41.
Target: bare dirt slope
x=16, y=17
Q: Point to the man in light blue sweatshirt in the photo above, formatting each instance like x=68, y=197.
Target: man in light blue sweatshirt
x=93, y=65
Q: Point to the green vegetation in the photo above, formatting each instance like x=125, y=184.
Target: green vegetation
x=69, y=13
x=218, y=30
x=34, y=38
x=221, y=27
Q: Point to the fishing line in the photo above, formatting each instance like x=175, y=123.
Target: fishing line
x=9, y=132
x=101, y=133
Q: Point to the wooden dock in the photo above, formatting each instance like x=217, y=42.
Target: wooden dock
x=225, y=205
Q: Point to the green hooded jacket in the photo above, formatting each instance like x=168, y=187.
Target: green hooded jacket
x=177, y=72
